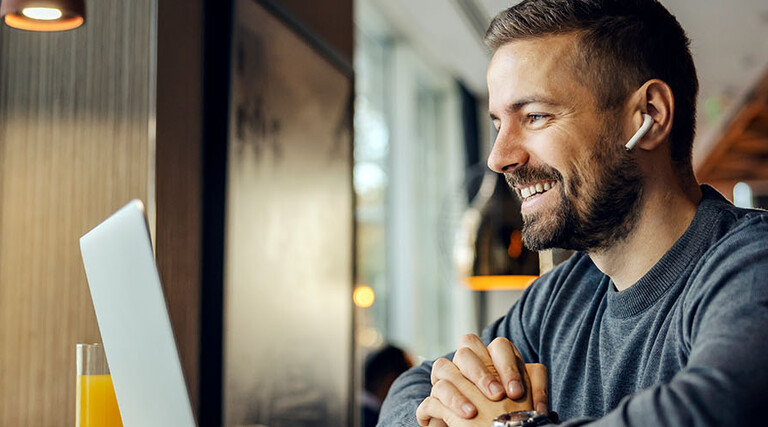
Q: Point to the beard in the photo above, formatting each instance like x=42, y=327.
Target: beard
x=594, y=212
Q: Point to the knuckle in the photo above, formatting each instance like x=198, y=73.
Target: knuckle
x=441, y=367
x=463, y=353
x=422, y=407
x=422, y=412
x=499, y=342
x=468, y=339
x=440, y=364
x=425, y=405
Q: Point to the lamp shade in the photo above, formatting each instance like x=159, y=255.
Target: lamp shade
x=489, y=251
x=43, y=15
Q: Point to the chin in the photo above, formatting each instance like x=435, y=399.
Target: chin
x=539, y=236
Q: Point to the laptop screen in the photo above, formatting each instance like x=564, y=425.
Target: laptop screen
x=134, y=323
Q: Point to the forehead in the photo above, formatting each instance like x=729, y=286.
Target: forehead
x=541, y=67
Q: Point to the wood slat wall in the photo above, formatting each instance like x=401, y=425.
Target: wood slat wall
x=75, y=111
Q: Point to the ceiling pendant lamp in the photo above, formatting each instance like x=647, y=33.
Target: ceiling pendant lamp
x=489, y=251
x=43, y=15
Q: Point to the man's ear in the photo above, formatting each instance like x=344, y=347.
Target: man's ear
x=655, y=98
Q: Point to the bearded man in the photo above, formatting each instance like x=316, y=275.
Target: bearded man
x=661, y=316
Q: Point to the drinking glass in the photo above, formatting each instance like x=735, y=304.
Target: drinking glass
x=96, y=404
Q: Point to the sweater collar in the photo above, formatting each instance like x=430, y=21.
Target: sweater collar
x=660, y=278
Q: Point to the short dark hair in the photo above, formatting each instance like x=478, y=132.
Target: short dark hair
x=623, y=44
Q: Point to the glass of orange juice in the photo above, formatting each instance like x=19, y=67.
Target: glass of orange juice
x=96, y=404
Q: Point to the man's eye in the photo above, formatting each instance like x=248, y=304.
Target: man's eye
x=534, y=118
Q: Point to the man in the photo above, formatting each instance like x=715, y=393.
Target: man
x=661, y=316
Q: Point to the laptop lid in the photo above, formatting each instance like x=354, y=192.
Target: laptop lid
x=134, y=322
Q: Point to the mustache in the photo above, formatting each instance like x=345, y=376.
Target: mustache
x=527, y=174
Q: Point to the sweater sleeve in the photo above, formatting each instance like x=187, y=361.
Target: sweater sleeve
x=520, y=325
x=413, y=386
x=725, y=380
x=407, y=392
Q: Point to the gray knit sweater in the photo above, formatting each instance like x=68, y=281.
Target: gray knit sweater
x=685, y=345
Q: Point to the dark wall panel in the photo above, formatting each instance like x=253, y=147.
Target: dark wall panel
x=288, y=271
x=332, y=20
x=178, y=189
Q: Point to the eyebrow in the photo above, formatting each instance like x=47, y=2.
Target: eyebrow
x=519, y=104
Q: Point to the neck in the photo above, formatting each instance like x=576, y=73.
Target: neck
x=666, y=212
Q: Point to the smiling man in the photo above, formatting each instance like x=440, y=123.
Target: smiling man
x=660, y=318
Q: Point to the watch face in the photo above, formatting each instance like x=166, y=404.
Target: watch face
x=511, y=419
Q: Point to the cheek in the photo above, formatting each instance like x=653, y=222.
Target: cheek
x=558, y=150
x=549, y=148
x=575, y=160
x=583, y=177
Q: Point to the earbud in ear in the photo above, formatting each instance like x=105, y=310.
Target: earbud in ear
x=647, y=122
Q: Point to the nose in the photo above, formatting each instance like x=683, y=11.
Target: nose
x=507, y=153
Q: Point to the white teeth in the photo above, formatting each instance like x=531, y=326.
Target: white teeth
x=535, y=189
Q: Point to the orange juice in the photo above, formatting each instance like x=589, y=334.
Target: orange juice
x=96, y=403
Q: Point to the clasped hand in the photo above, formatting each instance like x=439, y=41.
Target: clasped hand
x=482, y=383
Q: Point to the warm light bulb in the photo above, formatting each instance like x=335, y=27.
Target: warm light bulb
x=42, y=13
x=363, y=296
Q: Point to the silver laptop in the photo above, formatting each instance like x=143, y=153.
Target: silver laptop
x=134, y=322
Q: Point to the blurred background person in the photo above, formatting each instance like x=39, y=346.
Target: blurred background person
x=381, y=368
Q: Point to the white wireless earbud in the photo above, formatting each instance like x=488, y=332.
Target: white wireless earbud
x=647, y=122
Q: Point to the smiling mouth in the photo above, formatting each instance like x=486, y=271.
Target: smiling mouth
x=529, y=191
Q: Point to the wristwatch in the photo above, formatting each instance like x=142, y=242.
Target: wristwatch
x=520, y=419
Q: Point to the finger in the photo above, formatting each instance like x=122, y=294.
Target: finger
x=474, y=343
x=443, y=369
x=451, y=397
x=507, y=360
x=430, y=408
x=434, y=422
x=524, y=373
x=539, y=386
x=522, y=370
x=479, y=372
x=436, y=366
x=493, y=390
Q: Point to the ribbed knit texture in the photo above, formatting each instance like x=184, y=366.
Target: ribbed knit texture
x=685, y=345
x=666, y=272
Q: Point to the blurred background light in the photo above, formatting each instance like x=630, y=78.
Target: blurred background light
x=364, y=296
